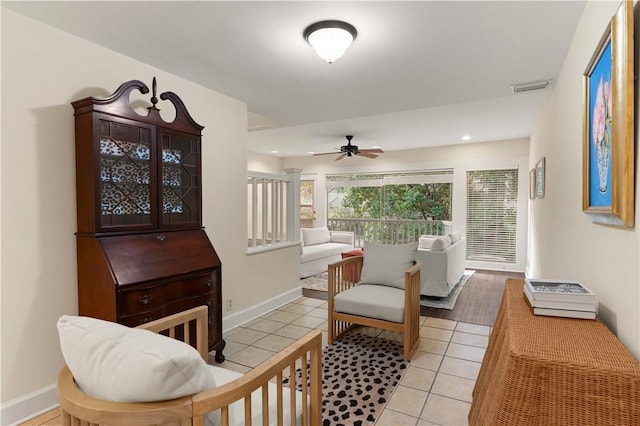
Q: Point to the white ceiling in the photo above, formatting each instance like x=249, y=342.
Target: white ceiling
x=420, y=73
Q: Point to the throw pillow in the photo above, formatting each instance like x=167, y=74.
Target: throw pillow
x=425, y=241
x=386, y=264
x=441, y=244
x=455, y=236
x=116, y=363
x=313, y=236
x=341, y=237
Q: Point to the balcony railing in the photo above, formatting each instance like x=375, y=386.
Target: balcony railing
x=389, y=231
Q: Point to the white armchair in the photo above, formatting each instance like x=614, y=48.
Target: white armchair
x=443, y=263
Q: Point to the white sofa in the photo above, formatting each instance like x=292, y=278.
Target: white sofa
x=320, y=247
x=443, y=263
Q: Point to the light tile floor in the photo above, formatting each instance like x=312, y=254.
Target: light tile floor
x=436, y=388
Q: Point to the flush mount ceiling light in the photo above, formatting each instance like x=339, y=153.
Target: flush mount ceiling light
x=529, y=86
x=330, y=39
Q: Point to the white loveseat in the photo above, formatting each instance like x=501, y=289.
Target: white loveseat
x=320, y=247
x=443, y=263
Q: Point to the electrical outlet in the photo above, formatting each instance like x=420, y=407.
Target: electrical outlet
x=229, y=304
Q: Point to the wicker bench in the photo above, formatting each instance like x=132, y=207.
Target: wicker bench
x=553, y=371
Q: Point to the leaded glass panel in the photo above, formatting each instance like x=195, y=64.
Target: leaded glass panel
x=180, y=180
x=125, y=175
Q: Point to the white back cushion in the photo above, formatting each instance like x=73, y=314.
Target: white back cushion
x=313, y=236
x=455, y=236
x=425, y=241
x=116, y=363
x=441, y=244
x=385, y=264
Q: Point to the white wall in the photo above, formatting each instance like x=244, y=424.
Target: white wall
x=462, y=157
x=263, y=163
x=43, y=70
x=563, y=242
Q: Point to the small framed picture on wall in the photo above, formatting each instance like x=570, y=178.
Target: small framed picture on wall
x=532, y=184
x=540, y=172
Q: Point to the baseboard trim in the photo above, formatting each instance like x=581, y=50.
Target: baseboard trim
x=26, y=407
x=242, y=317
x=39, y=402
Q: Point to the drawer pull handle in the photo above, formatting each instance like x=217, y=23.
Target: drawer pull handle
x=209, y=303
x=208, y=284
x=161, y=237
x=146, y=299
x=210, y=322
x=146, y=320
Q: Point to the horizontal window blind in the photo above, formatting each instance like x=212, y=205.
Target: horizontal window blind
x=492, y=207
x=381, y=179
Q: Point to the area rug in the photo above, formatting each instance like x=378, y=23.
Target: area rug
x=316, y=282
x=450, y=301
x=359, y=375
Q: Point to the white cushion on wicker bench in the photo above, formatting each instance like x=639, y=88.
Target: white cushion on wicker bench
x=116, y=363
x=373, y=301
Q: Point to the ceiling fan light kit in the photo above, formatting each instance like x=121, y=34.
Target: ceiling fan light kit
x=330, y=39
x=349, y=150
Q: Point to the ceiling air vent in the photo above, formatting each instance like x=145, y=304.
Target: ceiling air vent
x=529, y=86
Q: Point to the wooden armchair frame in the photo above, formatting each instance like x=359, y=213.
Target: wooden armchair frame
x=80, y=409
x=345, y=274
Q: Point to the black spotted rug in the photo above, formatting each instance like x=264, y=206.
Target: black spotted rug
x=359, y=375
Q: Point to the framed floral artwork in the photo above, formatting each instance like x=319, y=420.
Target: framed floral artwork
x=608, y=125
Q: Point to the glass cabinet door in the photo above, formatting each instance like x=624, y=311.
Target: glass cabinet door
x=127, y=164
x=180, y=181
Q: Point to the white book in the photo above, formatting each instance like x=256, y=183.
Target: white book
x=559, y=290
x=559, y=304
x=564, y=313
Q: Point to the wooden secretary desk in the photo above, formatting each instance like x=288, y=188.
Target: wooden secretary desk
x=142, y=251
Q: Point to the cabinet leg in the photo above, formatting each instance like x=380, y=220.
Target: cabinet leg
x=218, y=347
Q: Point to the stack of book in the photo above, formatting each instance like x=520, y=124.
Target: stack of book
x=560, y=298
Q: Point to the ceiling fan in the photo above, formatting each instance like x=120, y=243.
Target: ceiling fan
x=349, y=150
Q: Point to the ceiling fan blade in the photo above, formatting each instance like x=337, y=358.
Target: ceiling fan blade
x=366, y=154
x=373, y=150
x=340, y=157
x=326, y=153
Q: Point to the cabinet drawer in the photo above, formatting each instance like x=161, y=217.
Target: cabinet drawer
x=182, y=305
x=144, y=299
x=134, y=320
x=133, y=299
x=194, y=286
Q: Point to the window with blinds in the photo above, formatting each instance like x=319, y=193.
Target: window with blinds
x=492, y=207
x=412, y=195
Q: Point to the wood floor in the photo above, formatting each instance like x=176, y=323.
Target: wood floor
x=477, y=303
x=479, y=299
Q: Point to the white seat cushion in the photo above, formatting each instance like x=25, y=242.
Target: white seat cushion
x=319, y=251
x=372, y=301
x=236, y=410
